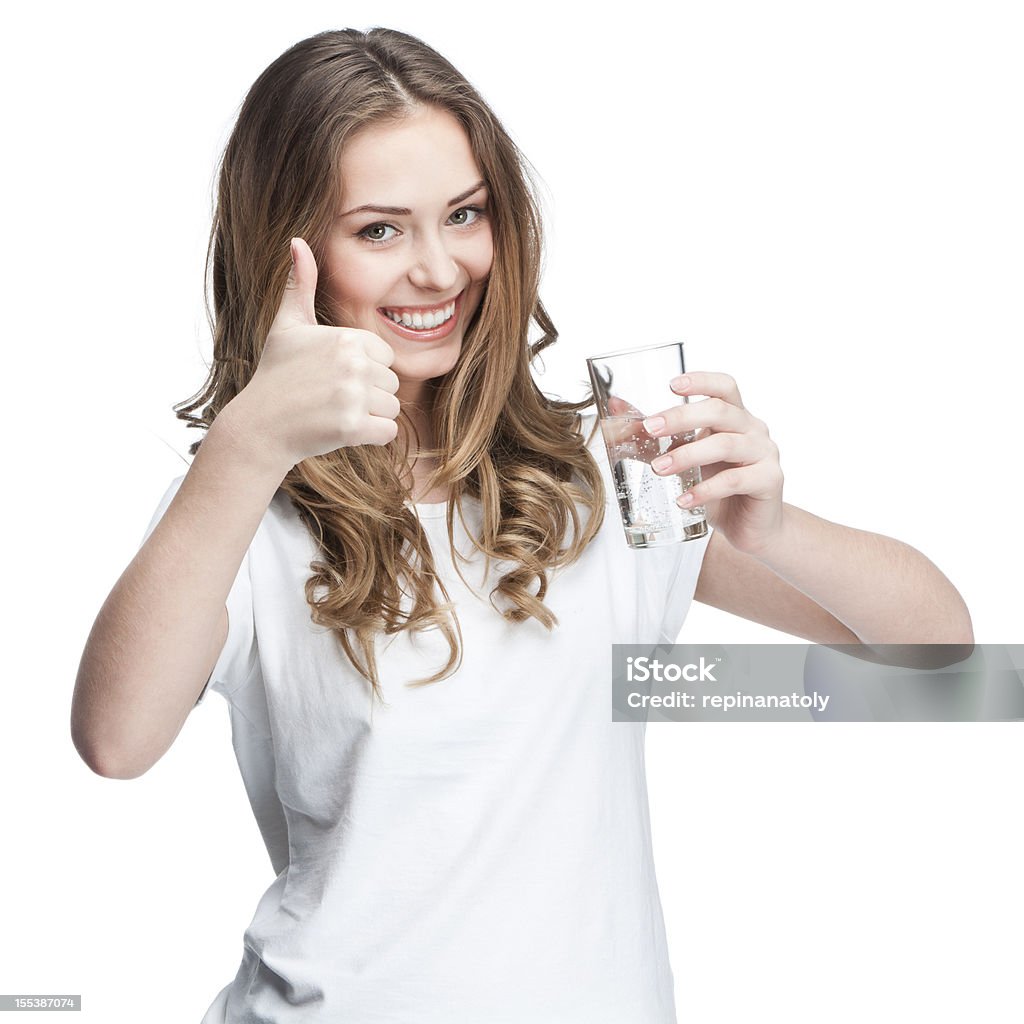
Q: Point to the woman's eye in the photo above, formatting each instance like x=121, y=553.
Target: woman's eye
x=373, y=233
x=457, y=216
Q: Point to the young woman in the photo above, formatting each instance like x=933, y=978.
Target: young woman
x=402, y=566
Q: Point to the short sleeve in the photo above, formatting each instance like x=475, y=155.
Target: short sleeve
x=239, y=657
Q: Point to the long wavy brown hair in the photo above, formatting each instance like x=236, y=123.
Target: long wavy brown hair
x=498, y=438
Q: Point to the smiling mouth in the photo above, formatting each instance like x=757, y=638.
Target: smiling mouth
x=421, y=318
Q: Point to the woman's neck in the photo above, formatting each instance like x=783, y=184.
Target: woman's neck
x=416, y=434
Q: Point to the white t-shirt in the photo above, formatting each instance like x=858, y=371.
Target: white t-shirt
x=477, y=851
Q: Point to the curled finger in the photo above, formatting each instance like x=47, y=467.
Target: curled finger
x=756, y=481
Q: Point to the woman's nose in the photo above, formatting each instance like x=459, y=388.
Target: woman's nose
x=434, y=268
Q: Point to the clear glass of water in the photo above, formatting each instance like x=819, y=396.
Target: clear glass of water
x=628, y=387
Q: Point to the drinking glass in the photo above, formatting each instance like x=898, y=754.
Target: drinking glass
x=628, y=387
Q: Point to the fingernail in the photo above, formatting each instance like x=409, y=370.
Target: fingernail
x=680, y=383
x=653, y=424
x=662, y=462
x=686, y=499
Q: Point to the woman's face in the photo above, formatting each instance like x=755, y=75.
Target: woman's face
x=425, y=260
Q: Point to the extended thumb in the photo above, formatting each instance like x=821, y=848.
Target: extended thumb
x=300, y=290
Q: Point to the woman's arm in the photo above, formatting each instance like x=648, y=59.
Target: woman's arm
x=832, y=584
x=161, y=629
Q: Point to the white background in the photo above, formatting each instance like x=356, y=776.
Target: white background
x=822, y=199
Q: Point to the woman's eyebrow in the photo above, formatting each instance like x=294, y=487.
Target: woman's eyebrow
x=402, y=211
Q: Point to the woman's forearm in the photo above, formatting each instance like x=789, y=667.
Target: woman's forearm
x=883, y=590
x=157, y=636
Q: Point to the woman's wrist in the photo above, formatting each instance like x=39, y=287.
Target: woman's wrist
x=238, y=429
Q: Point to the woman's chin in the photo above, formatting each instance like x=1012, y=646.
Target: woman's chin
x=415, y=369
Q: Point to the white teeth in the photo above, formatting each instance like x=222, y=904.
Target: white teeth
x=422, y=321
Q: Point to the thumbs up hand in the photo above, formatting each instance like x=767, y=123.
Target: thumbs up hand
x=318, y=388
